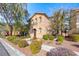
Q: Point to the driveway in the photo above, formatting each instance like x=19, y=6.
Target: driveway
x=3, y=51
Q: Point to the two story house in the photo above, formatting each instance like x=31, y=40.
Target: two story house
x=40, y=25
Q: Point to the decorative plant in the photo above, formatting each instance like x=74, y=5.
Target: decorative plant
x=75, y=37
x=45, y=37
x=51, y=37
x=13, y=39
x=60, y=39
x=35, y=47
x=22, y=43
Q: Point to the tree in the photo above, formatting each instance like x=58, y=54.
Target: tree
x=14, y=15
x=58, y=25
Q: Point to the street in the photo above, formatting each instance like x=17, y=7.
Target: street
x=3, y=51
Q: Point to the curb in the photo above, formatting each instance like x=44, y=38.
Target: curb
x=11, y=50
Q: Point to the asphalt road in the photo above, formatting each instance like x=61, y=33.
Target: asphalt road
x=3, y=51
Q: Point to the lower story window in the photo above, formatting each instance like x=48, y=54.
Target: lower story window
x=40, y=30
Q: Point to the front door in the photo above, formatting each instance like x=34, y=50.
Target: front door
x=34, y=30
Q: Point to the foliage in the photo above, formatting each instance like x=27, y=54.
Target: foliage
x=22, y=43
x=35, y=46
x=45, y=37
x=13, y=39
x=16, y=18
x=60, y=51
x=48, y=37
x=28, y=36
x=51, y=37
x=60, y=39
x=57, y=24
x=75, y=37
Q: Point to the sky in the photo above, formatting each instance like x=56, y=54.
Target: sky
x=49, y=8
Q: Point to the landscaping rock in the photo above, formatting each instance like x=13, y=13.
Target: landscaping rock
x=60, y=51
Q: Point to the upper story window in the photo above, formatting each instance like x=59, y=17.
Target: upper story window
x=35, y=20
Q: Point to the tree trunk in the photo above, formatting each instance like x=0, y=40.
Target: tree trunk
x=11, y=30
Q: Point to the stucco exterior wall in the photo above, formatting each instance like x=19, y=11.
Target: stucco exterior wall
x=41, y=24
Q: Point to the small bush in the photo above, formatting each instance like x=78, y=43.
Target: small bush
x=60, y=51
x=45, y=37
x=22, y=43
x=51, y=37
x=60, y=39
x=35, y=46
x=75, y=37
x=13, y=39
x=28, y=36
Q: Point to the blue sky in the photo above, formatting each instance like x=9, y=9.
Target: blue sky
x=49, y=8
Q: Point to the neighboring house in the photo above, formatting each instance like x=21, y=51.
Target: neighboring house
x=41, y=24
x=74, y=23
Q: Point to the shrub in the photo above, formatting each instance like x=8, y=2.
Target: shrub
x=28, y=36
x=51, y=37
x=60, y=51
x=45, y=37
x=22, y=43
x=35, y=46
x=13, y=39
x=75, y=37
x=60, y=39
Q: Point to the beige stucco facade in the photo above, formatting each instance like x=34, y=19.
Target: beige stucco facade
x=41, y=23
x=74, y=21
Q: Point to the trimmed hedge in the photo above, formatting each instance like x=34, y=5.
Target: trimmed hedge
x=35, y=47
x=75, y=37
x=60, y=39
x=22, y=43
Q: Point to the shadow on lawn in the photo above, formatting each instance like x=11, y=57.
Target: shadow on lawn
x=76, y=45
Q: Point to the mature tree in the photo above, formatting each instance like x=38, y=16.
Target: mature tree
x=57, y=24
x=14, y=15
